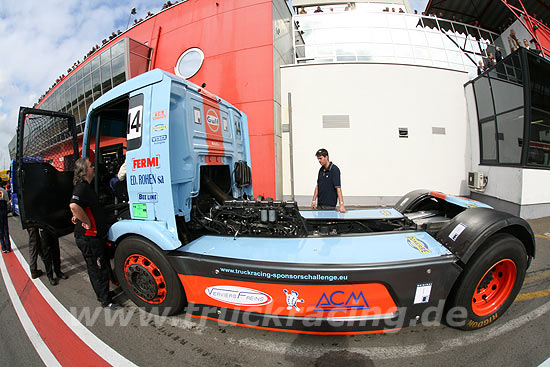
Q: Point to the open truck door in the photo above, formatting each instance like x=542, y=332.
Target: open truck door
x=47, y=148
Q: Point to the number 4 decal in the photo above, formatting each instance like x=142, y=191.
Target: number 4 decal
x=135, y=122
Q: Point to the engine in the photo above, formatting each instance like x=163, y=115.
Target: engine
x=265, y=218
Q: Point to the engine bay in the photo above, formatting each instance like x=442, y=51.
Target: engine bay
x=270, y=218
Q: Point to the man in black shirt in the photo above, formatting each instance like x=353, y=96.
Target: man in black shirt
x=328, y=189
x=90, y=230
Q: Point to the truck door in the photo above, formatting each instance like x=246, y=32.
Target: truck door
x=47, y=148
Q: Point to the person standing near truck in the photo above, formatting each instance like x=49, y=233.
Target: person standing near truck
x=4, y=231
x=328, y=189
x=52, y=255
x=35, y=250
x=90, y=231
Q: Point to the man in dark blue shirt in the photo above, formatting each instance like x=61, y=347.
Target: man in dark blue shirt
x=328, y=189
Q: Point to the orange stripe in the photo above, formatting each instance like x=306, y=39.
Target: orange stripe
x=214, y=136
x=314, y=300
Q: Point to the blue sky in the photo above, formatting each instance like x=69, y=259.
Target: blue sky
x=40, y=40
x=419, y=5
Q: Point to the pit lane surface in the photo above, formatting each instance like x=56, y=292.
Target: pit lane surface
x=519, y=337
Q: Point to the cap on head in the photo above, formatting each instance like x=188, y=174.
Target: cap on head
x=322, y=152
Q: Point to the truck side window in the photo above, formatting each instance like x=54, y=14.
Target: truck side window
x=225, y=124
x=197, y=115
x=237, y=125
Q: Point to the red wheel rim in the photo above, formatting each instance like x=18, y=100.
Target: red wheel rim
x=494, y=287
x=145, y=278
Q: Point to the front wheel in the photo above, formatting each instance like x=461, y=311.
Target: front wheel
x=147, y=277
x=489, y=283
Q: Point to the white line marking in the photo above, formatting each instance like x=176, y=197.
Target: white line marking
x=97, y=345
x=41, y=348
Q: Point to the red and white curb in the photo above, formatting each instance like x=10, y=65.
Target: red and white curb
x=58, y=337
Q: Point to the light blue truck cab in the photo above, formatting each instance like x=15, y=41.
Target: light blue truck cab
x=174, y=133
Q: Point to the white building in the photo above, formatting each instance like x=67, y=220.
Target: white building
x=388, y=94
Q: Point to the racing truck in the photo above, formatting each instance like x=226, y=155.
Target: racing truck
x=190, y=236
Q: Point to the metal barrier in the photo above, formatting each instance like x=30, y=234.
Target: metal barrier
x=360, y=36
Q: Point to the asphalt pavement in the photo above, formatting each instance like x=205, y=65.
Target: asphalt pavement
x=519, y=337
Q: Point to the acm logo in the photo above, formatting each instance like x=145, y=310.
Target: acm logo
x=342, y=301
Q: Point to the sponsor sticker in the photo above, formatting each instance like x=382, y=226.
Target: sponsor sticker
x=385, y=212
x=457, y=231
x=158, y=115
x=423, y=291
x=213, y=120
x=470, y=205
x=146, y=162
x=161, y=139
x=148, y=197
x=292, y=300
x=147, y=179
x=159, y=127
x=418, y=244
x=238, y=296
x=139, y=210
x=342, y=301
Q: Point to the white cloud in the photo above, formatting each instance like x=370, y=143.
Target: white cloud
x=42, y=39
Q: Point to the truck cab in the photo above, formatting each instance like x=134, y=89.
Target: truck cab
x=172, y=137
x=179, y=143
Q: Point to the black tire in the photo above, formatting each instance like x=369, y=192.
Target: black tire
x=147, y=277
x=488, y=284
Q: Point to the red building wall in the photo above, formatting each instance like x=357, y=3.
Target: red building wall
x=237, y=41
x=236, y=38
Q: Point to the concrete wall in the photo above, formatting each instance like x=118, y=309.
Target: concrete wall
x=377, y=165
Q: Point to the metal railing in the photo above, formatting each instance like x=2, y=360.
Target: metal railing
x=360, y=36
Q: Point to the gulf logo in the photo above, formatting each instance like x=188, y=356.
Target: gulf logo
x=238, y=296
x=213, y=120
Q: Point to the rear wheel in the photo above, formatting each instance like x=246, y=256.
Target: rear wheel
x=489, y=283
x=147, y=277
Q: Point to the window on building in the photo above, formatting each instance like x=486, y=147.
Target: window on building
x=510, y=137
x=539, y=139
x=512, y=131
x=138, y=57
x=488, y=141
x=189, y=63
x=484, y=98
x=539, y=72
x=104, y=71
